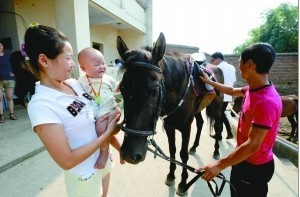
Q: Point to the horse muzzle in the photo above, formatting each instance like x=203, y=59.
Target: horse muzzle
x=134, y=149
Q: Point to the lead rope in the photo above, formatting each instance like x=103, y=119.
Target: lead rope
x=217, y=192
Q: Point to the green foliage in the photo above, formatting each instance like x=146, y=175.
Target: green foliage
x=280, y=29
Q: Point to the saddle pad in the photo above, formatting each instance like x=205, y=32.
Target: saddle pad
x=199, y=86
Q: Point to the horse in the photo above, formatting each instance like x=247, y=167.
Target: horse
x=289, y=110
x=155, y=85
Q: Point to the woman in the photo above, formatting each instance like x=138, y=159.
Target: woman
x=62, y=114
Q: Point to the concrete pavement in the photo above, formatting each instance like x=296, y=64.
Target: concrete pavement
x=26, y=170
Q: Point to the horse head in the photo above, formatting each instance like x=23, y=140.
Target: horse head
x=142, y=91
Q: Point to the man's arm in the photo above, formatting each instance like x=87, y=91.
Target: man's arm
x=221, y=87
x=241, y=153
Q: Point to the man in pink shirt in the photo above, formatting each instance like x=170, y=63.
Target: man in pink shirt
x=252, y=160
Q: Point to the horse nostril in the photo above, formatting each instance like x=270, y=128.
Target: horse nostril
x=138, y=157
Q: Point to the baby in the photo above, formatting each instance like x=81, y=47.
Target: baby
x=101, y=87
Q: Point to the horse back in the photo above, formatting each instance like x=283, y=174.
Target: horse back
x=289, y=105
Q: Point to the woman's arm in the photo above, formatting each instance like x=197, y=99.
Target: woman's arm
x=56, y=143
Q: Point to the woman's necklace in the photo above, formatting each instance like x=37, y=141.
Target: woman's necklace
x=96, y=97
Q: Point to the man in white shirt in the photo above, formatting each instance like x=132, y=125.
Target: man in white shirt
x=229, y=73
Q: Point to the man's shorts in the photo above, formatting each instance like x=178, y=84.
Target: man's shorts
x=88, y=185
x=7, y=84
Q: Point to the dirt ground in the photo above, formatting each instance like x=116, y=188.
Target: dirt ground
x=285, y=129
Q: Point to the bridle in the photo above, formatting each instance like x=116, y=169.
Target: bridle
x=160, y=101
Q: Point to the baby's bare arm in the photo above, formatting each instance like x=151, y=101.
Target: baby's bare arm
x=101, y=125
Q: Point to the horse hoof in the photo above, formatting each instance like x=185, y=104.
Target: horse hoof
x=192, y=151
x=180, y=192
x=170, y=181
x=216, y=156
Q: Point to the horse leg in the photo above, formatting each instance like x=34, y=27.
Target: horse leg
x=170, y=180
x=293, y=125
x=199, y=124
x=217, y=127
x=185, y=135
x=296, y=126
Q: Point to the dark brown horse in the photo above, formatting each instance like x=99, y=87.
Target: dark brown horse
x=289, y=110
x=158, y=85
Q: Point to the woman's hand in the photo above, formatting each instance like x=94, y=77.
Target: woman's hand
x=113, y=126
x=111, y=115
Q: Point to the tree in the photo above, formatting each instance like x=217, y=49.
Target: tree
x=280, y=29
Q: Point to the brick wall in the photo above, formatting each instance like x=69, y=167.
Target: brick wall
x=284, y=71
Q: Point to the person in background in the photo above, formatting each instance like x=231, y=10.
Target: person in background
x=7, y=82
x=252, y=160
x=217, y=59
x=62, y=114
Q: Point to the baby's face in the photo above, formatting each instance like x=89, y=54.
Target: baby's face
x=95, y=65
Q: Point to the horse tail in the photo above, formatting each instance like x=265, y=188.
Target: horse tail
x=213, y=111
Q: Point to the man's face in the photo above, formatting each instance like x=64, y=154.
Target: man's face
x=215, y=61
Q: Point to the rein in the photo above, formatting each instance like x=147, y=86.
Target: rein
x=181, y=101
x=217, y=192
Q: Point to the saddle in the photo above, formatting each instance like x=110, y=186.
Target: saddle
x=197, y=70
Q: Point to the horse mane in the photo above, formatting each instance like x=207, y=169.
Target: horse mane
x=174, y=69
x=179, y=54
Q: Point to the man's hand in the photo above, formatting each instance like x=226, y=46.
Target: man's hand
x=205, y=78
x=210, y=171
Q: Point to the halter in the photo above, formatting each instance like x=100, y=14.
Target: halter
x=146, y=133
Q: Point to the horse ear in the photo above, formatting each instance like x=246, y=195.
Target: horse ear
x=159, y=48
x=122, y=48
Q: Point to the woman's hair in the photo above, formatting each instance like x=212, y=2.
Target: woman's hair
x=262, y=54
x=40, y=39
x=25, y=75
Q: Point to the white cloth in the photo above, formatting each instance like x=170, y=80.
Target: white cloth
x=229, y=77
x=109, y=85
x=73, y=112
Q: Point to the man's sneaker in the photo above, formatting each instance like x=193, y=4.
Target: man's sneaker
x=229, y=137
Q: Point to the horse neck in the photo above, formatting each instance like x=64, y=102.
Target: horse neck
x=175, y=79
